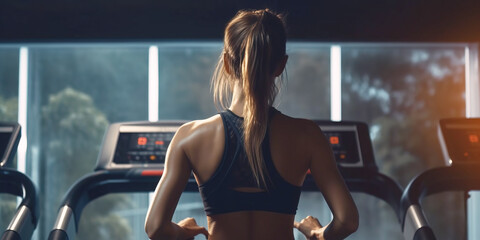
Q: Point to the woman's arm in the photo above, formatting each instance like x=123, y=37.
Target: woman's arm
x=324, y=170
x=158, y=223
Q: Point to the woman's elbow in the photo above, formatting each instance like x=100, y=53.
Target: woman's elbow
x=351, y=225
x=348, y=223
x=159, y=231
x=152, y=229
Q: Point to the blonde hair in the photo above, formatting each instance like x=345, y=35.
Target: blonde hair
x=254, y=46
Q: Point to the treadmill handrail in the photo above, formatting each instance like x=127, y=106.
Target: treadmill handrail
x=370, y=182
x=92, y=186
x=103, y=182
x=380, y=186
x=26, y=217
x=461, y=177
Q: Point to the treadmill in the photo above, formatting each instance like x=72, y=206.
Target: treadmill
x=459, y=138
x=353, y=151
x=13, y=182
x=131, y=159
x=133, y=154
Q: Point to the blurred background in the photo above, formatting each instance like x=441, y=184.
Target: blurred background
x=70, y=68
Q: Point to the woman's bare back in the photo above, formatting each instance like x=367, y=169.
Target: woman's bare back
x=289, y=143
x=254, y=225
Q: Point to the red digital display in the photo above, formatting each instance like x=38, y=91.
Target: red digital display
x=142, y=147
x=334, y=140
x=142, y=141
x=473, y=138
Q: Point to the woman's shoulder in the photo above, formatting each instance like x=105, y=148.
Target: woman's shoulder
x=201, y=127
x=200, y=137
x=298, y=125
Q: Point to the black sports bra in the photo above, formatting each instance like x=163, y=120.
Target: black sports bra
x=219, y=194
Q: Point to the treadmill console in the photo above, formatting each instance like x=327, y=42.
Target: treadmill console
x=350, y=142
x=9, y=138
x=144, y=144
x=460, y=140
x=136, y=145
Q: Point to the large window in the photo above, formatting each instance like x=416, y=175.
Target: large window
x=305, y=90
x=75, y=91
x=402, y=91
x=185, y=71
x=8, y=113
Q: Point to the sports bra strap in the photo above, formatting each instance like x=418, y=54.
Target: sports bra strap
x=219, y=193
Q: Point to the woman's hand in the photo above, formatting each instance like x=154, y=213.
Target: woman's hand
x=191, y=229
x=311, y=228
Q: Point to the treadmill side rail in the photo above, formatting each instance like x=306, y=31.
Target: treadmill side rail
x=22, y=222
x=460, y=177
x=26, y=216
x=92, y=186
x=65, y=221
x=414, y=220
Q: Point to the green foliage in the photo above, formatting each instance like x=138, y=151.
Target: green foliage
x=74, y=128
x=98, y=221
x=8, y=203
x=114, y=77
x=8, y=109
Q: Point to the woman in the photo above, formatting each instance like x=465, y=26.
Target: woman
x=250, y=160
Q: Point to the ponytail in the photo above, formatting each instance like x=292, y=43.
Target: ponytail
x=254, y=46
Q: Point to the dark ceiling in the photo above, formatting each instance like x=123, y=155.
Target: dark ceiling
x=308, y=20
